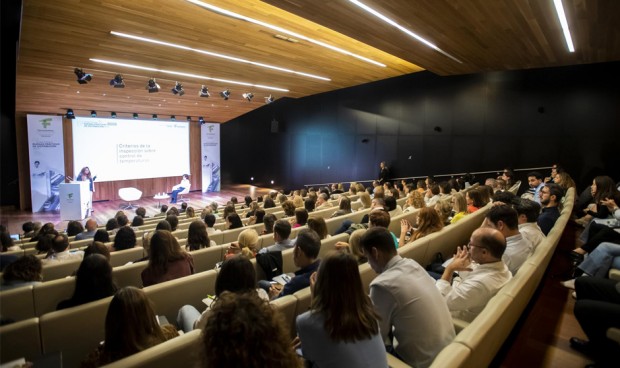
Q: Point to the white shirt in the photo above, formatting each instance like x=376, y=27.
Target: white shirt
x=517, y=250
x=432, y=200
x=531, y=231
x=404, y=297
x=63, y=257
x=184, y=183
x=211, y=231
x=467, y=297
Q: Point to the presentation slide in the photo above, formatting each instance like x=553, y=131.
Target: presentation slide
x=122, y=149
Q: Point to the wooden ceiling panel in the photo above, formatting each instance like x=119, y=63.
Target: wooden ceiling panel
x=59, y=35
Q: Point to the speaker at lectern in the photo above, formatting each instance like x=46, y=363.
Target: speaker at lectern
x=74, y=200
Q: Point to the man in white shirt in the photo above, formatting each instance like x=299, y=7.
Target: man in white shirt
x=528, y=212
x=60, y=246
x=432, y=195
x=322, y=202
x=412, y=311
x=281, y=232
x=505, y=219
x=209, y=222
x=467, y=296
x=184, y=184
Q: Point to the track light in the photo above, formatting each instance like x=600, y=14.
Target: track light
x=70, y=114
x=248, y=96
x=201, y=120
x=154, y=116
x=117, y=82
x=225, y=94
x=173, y=118
x=269, y=99
x=135, y=115
x=93, y=114
x=113, y=115
x=189, y=118
x=204, y=91
x=178, y=89
x=152, y=86
x=82, y=78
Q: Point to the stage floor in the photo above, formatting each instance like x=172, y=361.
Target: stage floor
x=105, y=210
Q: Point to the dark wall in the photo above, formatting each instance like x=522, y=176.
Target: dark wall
x=11, y=17
x=426, y=124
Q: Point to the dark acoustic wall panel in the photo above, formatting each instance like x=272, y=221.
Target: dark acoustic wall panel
x=450, y=124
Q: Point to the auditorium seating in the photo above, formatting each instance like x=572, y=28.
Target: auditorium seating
x=474, y=346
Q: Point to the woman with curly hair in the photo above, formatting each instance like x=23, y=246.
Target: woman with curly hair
x=130, y=327
x=242, y=320
x=341, y=328
x=289, y=208
x=415, y=200
x=26, y=270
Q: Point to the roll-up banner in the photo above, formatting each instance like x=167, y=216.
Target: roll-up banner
x=47, y=164
x=210, y=157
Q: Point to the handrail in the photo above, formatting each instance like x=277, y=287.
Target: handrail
x=436, y=176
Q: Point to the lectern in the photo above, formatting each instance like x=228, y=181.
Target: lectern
x=74, y=200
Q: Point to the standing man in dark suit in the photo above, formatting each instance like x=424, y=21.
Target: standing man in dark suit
x=384, y=175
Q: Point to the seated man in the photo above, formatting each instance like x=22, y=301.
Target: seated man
x=209, y=222
x=322, y=202
x=305, y=256
x=91, y=229
x=505, y=219
x=281, y=233
x=60, y=246
x=528, y=212
x=467, y=295
x=550, y=197
x=412, y=311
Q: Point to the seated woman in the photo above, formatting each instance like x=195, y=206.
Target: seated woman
x=365, y=200
x=289, y=208
x=125, y=239
x=247, y=244
x=603, y=188
x=428, y=223
x=353, y=246
x=604, y=257
x=341, y=327
x=392, y=207
x=318, y=224
x=344, y=207
x=301, y=218
x=599, y=233
x=74, y=228
x=459, y=206
x=233, y=221
x=197, y=236
x=93, y=281
x=237, y=275
x=24, y=271
x=444, y=210
x=268, y=221
x=256, y=324
x=473, y=197
x=415, y=200
x=130, y=327
x=166, y=260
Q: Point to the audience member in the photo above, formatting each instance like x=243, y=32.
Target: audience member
x=247, y=244
x=319, y=225
x=125, y=239
x=428, y=222
x=210, y=222
x=459, y=206
x=101, y=236
x=97, y=247
x=24, y=271
x=173, y=220
x=469, y=293
x=237, y=275
x=91, y=229
x=474, y=200
x=301, y=217
x=141, y=211
x=269, y=221
x=137, y=221
x=166, y=260
x=111, y=225
x=74, y=228
x=233, y=221
x=281, y=233
x=197, y=236
x=341, y=328
x=550, y=196
x=411, y=311
x=28, y=229
x=536, y=182
x=518, y=248
x=130, y=327
x=163, y=225
x=61, y=253
x=93, y=281
x=528, y=212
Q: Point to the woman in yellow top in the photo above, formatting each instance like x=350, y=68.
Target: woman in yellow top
x=459, y=206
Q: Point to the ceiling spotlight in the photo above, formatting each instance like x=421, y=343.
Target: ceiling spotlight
x=201, y=120
x=225, y=94
x=178, y=89
x=113, y=114
x=117, y=82
x=135, y=115
x=93, y=114
x=82, y=78
x=204, y=91
x=189, y=118
x=173, y=118
x=154, y=116
x=269, y=99
x=248, y=96
x=70, y=114
x=152, y=86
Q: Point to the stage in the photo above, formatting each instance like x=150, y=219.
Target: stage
x=105, y=210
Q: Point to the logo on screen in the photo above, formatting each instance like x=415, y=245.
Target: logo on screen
x=45, y=123
x=210, y=128
x=69, y=195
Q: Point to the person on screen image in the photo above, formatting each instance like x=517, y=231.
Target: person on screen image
x=37, y=169
x=212, y=171
x=179, y=188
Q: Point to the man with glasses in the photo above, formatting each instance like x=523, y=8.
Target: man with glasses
x=468, y=294
x=550, y=196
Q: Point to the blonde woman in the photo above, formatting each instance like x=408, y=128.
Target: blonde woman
x=415, y=200
x=364, y=198
x=459, y=206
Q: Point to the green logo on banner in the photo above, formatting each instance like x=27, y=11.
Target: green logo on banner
x=210, y=128
x=46, y=122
